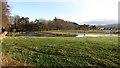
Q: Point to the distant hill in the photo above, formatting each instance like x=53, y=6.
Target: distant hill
x=109, y=26
x=102, y=22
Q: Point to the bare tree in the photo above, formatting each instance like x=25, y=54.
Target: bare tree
x=5, y=14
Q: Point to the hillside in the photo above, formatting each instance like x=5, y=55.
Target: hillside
x=109, y=26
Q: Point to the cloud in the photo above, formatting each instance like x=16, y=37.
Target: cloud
x=100, y=9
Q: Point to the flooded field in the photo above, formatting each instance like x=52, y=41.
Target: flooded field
x=95, y=35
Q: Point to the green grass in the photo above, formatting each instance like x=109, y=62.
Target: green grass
x=64, y=51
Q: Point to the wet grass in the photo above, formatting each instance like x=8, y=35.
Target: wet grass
x=64, y=51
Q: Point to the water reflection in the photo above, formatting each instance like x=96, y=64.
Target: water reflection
x=95, y=35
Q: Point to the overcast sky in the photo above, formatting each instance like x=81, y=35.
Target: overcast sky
x=73, y=10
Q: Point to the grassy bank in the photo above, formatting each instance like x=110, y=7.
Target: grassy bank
x=80, y=31
x=63, y=51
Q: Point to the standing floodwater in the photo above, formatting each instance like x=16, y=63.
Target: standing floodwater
x=95, y=35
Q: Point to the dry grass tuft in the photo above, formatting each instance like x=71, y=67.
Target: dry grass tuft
x=7, y=60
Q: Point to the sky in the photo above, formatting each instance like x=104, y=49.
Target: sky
x=78, y=11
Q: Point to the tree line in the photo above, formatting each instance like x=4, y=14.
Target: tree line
x=22, y=24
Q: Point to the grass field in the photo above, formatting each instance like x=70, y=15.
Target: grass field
x=63, y=51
